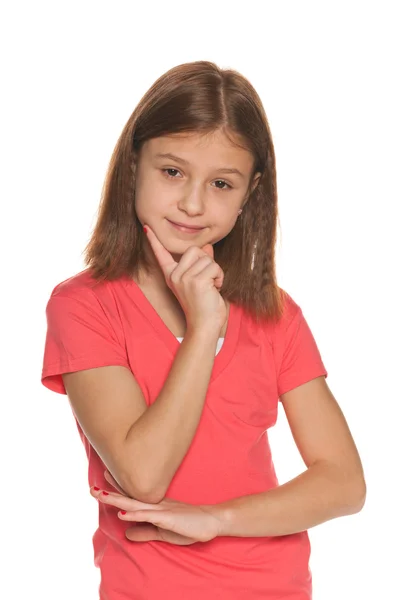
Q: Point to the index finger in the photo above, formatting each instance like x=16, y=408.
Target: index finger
x=165, y=260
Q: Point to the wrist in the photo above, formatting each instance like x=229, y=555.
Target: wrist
x=205, y=333
x=222, y=514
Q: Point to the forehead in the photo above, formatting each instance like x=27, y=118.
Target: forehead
x=207, y=148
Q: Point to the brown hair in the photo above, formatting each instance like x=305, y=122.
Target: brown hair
x=196, y=97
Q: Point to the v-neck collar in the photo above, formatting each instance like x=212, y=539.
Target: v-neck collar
x=228, y=348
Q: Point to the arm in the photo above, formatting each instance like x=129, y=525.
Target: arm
x=142, y=446
x=333, y=485
x=159, y=440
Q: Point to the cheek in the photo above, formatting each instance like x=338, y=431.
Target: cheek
x=226, y=218
x=222, y=224
x=151, y=196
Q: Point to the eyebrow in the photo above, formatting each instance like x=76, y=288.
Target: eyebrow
x=185, y=162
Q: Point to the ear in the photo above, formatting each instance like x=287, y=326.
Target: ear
x=133, y=165
x=254, y=184
x=134, y=160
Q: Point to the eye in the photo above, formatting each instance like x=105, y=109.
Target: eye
x=168, y=175
x=224, y=183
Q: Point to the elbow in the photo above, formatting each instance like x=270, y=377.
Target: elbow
x=351, y=489
x=151, y=496
x=357, y=497
x=143, y=493
x=361, y=496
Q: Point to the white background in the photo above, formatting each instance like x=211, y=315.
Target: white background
x=328, y=75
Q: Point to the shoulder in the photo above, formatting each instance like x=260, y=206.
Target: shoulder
x=79, y=294
x=83, y=298
x=290, y=310
x=84, y=287
x=273, y=331
x=276, y=329
x=80, y=282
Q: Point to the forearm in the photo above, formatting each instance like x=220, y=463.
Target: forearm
x=319, y=494
x=159, y=440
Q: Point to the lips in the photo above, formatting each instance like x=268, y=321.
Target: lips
x=185, y=225
x=188, y=229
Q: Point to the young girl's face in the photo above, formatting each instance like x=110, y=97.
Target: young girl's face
x=192, y=187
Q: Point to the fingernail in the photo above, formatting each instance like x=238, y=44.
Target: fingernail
x=105, y=493
x=123, y=512
x=145, y=229
x=96, y=488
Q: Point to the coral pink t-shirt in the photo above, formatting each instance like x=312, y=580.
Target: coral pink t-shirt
x=93, y=324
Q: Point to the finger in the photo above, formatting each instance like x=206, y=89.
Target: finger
x=209, y=249
x=143, y=532
x=218, y=281
x=198, y=266
x=123, y=502
x=99, y=493
x=190, y=258
x=209, y=270
x=156, y=517
x=165, y=260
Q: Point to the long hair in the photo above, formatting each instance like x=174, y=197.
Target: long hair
x=196, y=97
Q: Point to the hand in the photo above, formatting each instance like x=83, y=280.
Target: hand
x=195, y=281
x=168, y=521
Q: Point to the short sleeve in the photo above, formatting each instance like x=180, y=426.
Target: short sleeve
x=79, y=336
x=298, y=357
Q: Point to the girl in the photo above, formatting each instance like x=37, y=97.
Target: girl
x=175, y=345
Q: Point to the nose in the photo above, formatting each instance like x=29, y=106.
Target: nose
x=192, y=200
